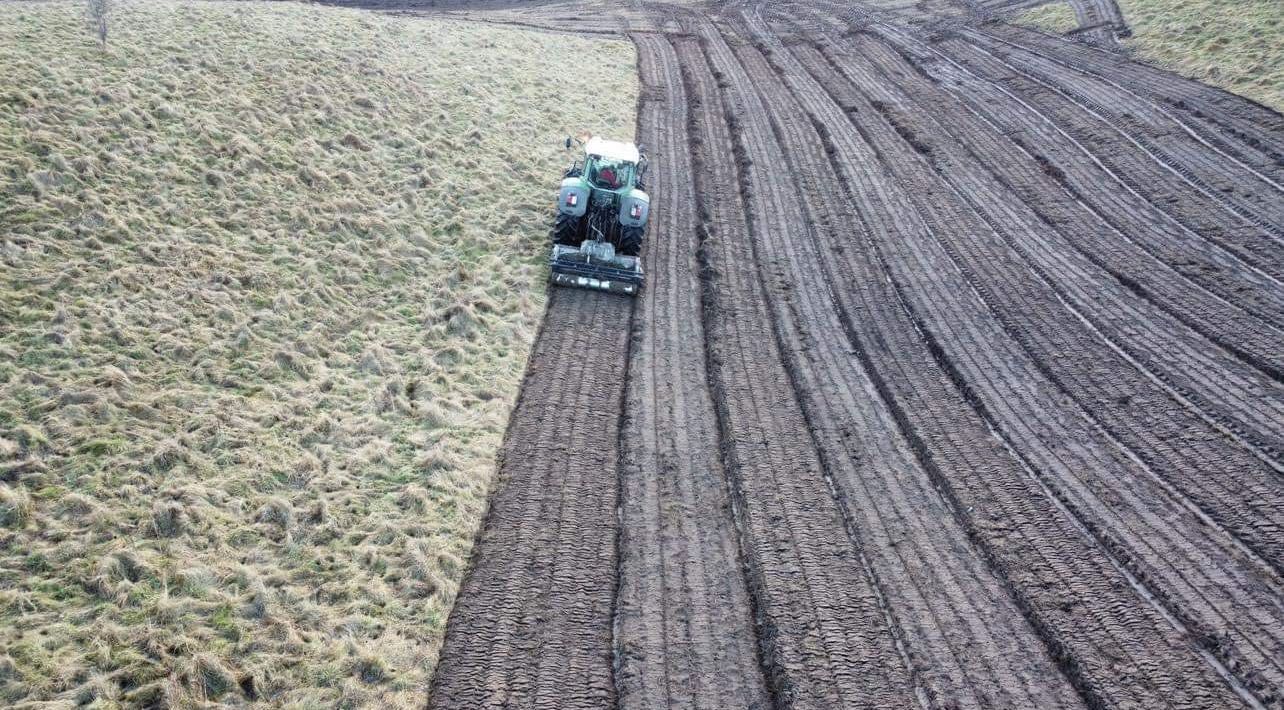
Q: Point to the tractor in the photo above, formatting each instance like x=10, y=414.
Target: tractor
x=602, y=212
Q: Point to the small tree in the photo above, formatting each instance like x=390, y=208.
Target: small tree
x=98, y=12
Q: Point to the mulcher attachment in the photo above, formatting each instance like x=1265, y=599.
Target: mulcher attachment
x=595, y=265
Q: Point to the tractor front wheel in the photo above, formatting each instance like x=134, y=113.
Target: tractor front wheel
x=566, y=230
x=631, y=241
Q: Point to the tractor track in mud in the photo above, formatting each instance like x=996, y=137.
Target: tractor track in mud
x=957, y=383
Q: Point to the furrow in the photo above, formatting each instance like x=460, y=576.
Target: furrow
x=964, y=635
x=1105, y=193
x=1243, y=495
x=1230, y=394
x=1247, y=131
x=1238, y=188
x=1033, y=180
x=1127, y=161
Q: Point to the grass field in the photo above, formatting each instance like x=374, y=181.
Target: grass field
x=1237, y=46
x=268, y=277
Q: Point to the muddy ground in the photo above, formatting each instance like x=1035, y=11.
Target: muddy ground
x=957, y=383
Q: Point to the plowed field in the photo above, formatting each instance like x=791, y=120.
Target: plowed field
x=957, y=383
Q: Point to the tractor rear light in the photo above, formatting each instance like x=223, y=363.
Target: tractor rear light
x=572, y=200
x=635, y=211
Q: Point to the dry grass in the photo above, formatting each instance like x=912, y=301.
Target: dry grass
x=1238, y=46
x=268, y=277
x=1055, y=17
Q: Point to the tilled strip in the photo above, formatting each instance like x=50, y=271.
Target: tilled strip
x=1184, y=557
x=1102, y=272
x=1234, y=186
x=1108, y=194
x=1105, y=239
x=1217, y=386
x=1144, y=173
x=1252, y=133
x=1243, y=495
x=532, y=623
x=1216, y=585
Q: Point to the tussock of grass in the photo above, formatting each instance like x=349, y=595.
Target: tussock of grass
x=1055, y=17
x=1238, y=46
x=268, y=277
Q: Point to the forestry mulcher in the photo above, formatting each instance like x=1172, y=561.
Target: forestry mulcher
x=602, y=212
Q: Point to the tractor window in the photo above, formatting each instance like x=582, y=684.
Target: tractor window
x=610, y=174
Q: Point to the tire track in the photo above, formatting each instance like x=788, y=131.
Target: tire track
x=1244, y=494
x=1102, y=238
x=1221, y=388
x=1114, y=196
x=1248, y=132
x=1101, y=21
x=1235, y=186
x=1161, y=186
x=939, y=591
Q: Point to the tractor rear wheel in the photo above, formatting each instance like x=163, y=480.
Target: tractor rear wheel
x=566, y=230
x=630, y=241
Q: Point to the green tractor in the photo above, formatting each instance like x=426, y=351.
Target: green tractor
x=602, y=213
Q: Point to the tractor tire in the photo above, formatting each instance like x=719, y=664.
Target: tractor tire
x=631, y=240
x=566, y=230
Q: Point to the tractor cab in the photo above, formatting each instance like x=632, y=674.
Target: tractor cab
x=611, y=165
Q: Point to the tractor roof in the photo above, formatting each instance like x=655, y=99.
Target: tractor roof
x=612, y=150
